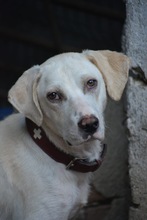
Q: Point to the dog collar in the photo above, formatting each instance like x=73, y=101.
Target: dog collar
x=71, y=162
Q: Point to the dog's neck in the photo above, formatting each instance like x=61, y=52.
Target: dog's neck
x=74, y=163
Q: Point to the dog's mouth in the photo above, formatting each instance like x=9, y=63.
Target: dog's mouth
x=89, y=138
x=102, y=153
x=80, y=143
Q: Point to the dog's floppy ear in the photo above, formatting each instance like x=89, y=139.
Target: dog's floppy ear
x=23, y=95
x=114, y=68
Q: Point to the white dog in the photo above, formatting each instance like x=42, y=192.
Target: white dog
x=50, y=148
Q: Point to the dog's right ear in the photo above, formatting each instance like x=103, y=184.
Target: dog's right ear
x=23, y=95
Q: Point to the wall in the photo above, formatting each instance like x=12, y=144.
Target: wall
x=135, y=45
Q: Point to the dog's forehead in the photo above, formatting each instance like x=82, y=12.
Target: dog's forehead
x=68, y=65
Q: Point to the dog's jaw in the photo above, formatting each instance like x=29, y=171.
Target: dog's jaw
x=90, y=149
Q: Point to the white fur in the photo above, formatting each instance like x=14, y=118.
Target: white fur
x=32, y=185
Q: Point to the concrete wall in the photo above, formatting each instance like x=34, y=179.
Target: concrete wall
x=135, y=45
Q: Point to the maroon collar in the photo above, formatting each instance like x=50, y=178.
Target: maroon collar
x=71, y=162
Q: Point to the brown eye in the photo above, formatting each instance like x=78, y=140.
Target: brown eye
x=91, y=83
x=53, y=96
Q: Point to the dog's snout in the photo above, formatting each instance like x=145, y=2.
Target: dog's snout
x=89, y=124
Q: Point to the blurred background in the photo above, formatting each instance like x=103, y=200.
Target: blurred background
x=33, y=30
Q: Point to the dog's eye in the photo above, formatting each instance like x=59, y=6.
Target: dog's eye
x=91, y=83
x=54, y=96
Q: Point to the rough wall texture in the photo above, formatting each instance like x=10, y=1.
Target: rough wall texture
x=135, y=45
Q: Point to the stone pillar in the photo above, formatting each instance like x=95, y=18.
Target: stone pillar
x=135, y=46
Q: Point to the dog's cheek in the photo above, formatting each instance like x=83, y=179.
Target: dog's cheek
x=71, y=134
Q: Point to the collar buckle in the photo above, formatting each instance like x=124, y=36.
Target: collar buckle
x=72, y=162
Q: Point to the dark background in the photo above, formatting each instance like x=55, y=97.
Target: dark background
x=33, y=30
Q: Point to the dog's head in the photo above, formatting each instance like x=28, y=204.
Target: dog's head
x=67, y=93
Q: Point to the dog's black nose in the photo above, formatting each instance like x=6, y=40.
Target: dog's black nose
x=89, y=124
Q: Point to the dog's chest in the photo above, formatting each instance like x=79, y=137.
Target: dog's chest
x=58, y=193
x=75, y=196
x=70, y=193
